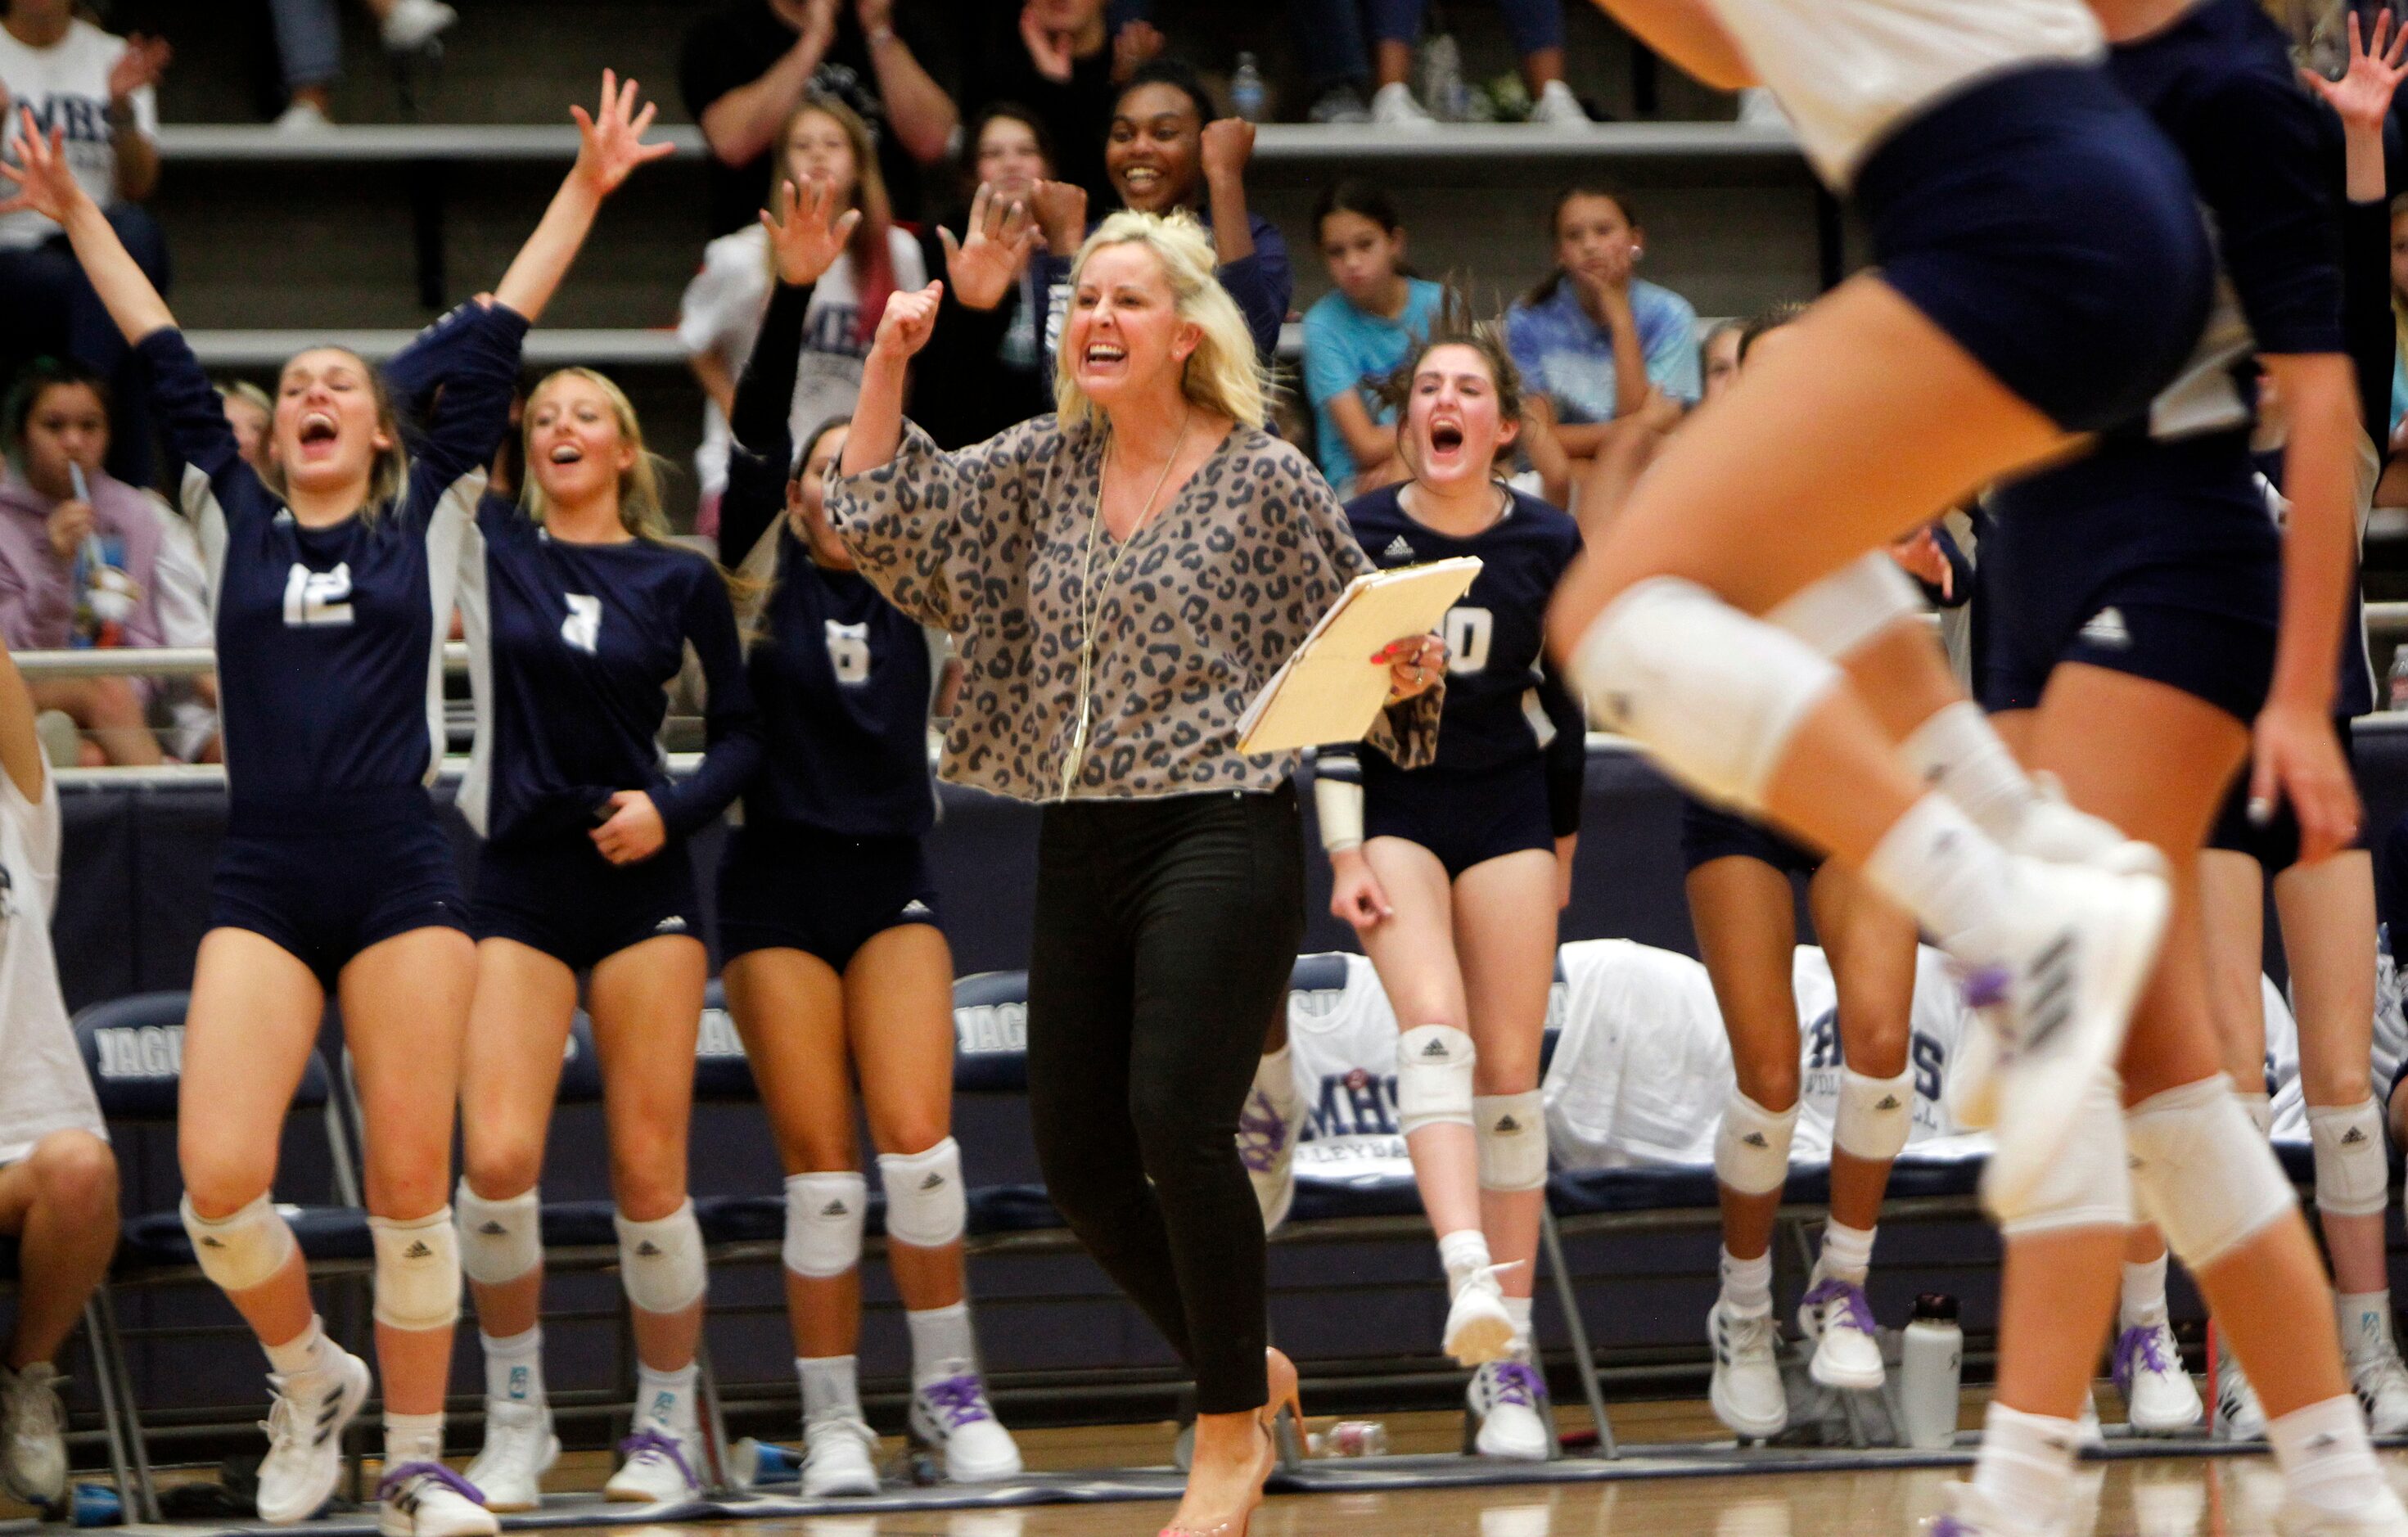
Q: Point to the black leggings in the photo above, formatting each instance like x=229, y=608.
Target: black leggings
x=1165, y=933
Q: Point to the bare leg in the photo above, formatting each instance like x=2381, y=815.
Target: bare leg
x=1414, y=952
x=518, y=1027
x=1505, y=939
x=1745, y=919
x=1872, y=946
x=2327, y=915
x=109, y=709
x=60, y=1203
x=899, y=1007
x=646, y=1005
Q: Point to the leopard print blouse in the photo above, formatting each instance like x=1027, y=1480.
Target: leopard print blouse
x=1207, y=601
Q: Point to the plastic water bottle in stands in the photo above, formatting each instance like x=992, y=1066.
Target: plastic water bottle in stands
x=1350, y=1438
x=1248, y=96
x=1443, y=87
x=1931, y=1362
x=2399, y=677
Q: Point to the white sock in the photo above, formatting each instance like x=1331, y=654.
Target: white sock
x=1957, y=752
x=2144, y=1304
x=1747, y=1284
x=1462, y=1252
x=2261, y=1107
x=1937, y=864
x=412, y=1438
x=828, y=1387
x=2324, y=1457
x=2027, y=1462
x=1518, y=1309
x=941, y=1344
x=2365, y=1319
x=306, y=1351
x=1847, y=1252
x=514, y=1366
x=665, y=1398
x=1275, y=1077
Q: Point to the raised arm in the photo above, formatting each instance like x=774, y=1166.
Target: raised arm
x=741, y=124
x=909, y=319
x=1686, y=33
x=609, y=147
x=44, y=184
x=923, y=117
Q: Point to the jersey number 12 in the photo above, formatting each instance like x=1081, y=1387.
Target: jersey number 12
x=317, y=597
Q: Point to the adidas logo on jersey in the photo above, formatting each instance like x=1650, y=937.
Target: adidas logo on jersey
x=2107, y=628
x=670, y=925
x=1398, y=550
x=917, y=909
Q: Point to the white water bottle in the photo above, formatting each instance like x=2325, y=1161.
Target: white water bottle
x=1931, y=1362
x=1249, y=96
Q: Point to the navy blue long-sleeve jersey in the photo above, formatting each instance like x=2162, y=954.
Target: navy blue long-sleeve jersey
x=329, y=640
x=575, y=649
x=840, y=676
x=1505, y=701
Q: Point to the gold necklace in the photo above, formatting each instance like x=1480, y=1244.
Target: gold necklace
x=1091, y=604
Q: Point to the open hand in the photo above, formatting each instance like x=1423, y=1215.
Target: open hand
x=2362, y=96
x=1355, y=895
x=43, y=181
x=996, y=241
x=1050, y=51
x=1135, y=43
x=608, y=146
x=144, y=60
x=634, y=831
x=909, y=319
x=808, y=230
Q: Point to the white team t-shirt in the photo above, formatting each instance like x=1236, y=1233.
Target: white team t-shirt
x=66, y=86
x=1847, y=71
x=45, y=1089
x=721, y=316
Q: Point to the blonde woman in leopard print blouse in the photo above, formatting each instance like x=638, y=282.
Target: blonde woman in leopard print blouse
x=1124, y=576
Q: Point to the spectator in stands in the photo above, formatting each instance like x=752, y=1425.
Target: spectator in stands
x=1061, y=61
x=251, y=414
x=1331, y=32
x=984, y=365
x=98, y=90
x=1355, y=336
x=58, y=1178
x=1167, y=923
x=1594, y=337
x=78, y=554
x=1168, y=149
x=747, y=65
x=825, y=141
x=309, y=47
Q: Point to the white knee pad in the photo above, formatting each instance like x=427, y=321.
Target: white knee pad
x=2352, y=1171
x=2089, y=1184
x=1751, y=1145
x=241, y=1249
x=660, y=1261
x=1513, y=1132
x=500, y=1241
x=1850, y=607
x=1711, y=693
x=1433, y=1077
x=1875, y=1115
x=417, y=1270
x=924, y=1204
x=824, y=1216
x=2203, y=1172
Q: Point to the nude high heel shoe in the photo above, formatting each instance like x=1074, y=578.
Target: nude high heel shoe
x=1280, y=1373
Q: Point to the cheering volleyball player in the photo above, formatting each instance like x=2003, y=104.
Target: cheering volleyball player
x=1452, y=872
x=1965, y=357
x=335, y=588
x=836, y=968
x=579, y=614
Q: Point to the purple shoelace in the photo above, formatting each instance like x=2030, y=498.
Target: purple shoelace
x=2137, y=1349
x=960, y=1399
x=390, y=1484
x=1948, y=1526
x=1518, y=1382
x=1262, y=1134
x=1851, y=1298
x=647, y=1439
